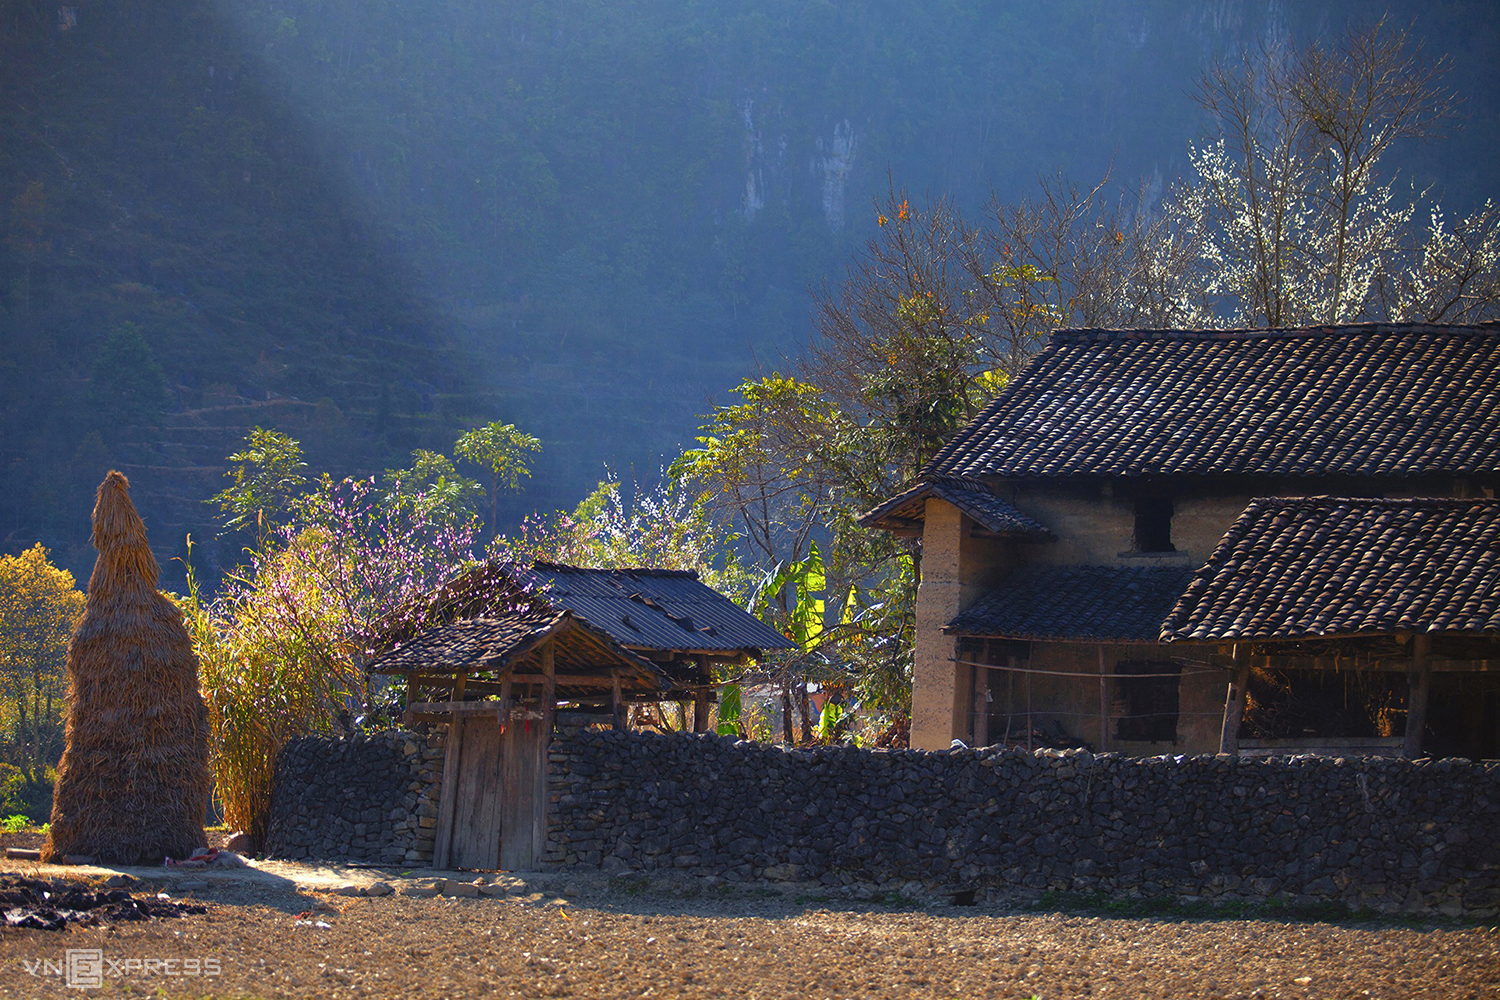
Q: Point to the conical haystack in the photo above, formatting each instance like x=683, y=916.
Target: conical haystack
x=134, y=782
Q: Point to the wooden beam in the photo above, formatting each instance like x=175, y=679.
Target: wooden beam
x=700, y=712
x=616, y=703
x=1419, y=683
x=431, y=718
x=1388, y=664
x=1234, y=701
x=605, y=681
x=448, y=796
x=436, y=685
x=549, y=706
x=456, y=708
x=1103, y=703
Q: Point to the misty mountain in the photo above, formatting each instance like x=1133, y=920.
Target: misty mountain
x=372, y=224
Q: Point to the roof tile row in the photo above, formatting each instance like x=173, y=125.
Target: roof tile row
x=1379, y=399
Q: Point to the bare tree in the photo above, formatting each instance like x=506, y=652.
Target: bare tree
x=901, y=344
x=1074, y=257
x=1453, y=277
x=1290, y=217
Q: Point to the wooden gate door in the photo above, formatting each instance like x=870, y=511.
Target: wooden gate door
x=493, y=807
x=523, y=784
x=469, y=814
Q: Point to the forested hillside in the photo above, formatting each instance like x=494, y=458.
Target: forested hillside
x=371, y=224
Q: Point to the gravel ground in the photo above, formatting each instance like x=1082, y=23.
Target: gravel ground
x=576, y=936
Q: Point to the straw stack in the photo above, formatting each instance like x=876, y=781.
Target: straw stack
x=134, y=782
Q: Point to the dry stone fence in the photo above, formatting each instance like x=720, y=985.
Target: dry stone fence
x=1386, y=833
x=371, y=798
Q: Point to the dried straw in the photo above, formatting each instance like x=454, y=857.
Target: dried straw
x=134, y=782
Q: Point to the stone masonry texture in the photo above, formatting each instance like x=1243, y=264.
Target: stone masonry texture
x=371, y=798
x=1393, y=835
x=1379, y=832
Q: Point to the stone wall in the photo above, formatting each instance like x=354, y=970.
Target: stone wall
x=371, y=798
x=1384, y=833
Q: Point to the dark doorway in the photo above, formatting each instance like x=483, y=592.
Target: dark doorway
x=1148, y=689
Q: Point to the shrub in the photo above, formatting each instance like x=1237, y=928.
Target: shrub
x=20, y=796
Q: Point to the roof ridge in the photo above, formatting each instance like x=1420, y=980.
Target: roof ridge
x=1328, y=500
x=1378, y=399
x=1078, y=335
x=545, y=564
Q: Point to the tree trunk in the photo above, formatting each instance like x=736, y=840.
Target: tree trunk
x=786, y=713
x=805, y=710
x=21, y=733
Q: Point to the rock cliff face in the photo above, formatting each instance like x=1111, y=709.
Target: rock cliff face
x=369, y=225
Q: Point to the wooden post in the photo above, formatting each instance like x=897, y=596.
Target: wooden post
x=504, y=702
x=1030, y=746
x=1103, y=704
x=1234, y=701
x=981, y=732
x=616, y=700
x=1419, y=682
x=549, y=706
x=804, y=709
x=549, y=682
x=700, y=710
x=448, y=794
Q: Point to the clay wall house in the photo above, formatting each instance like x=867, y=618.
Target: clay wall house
x=1061, y=528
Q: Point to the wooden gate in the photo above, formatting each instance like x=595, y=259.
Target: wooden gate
x=523, y=788
x=492, y=811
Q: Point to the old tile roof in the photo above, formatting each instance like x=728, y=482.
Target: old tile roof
x=968, y=495
x=1373, y=399
x=1325, y=566
x=647, y=610
x=492, y=645
x=654, y=609
x=464, y=645
x=1119, y=603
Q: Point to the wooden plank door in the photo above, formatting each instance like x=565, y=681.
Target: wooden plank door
x=523, y=776
x=474, y=838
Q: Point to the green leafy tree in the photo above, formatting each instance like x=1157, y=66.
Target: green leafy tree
x=127, y=388
x=765, y=464
x=27, y=236
x=901, y=348
x=499, y=449
x=39, y=609
x=786, y=467
x=432, y=483
x=266, y=480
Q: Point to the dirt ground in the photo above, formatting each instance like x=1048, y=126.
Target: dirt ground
x=282, y=930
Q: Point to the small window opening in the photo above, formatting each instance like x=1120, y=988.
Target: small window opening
x=1147, y=700
x=1153, y=524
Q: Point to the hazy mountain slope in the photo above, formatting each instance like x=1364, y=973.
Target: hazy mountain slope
x=369, y=223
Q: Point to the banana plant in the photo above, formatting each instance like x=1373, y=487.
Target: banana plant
x=807, y=579
x=729, y=710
